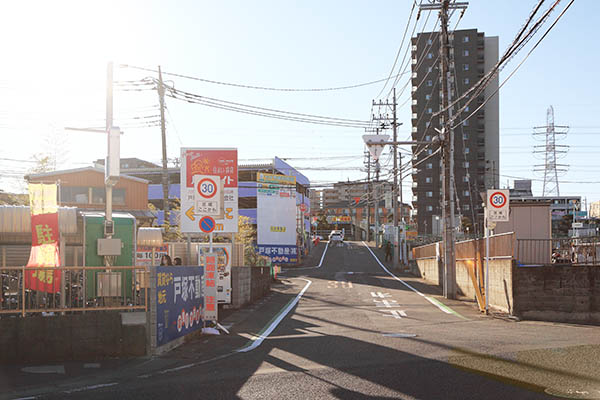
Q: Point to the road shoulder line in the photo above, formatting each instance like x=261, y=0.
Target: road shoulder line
x=432, y=300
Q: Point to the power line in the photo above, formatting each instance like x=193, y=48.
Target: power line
x=244, y=86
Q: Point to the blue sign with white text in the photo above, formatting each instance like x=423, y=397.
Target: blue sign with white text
x=279, y=254
x=179, y=302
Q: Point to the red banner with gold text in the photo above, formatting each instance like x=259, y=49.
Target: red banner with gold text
x=44, y=240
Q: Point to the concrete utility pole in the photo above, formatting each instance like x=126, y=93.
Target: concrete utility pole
x=447, y=143
x=369, y=195
x=395, y=188
x=401, y=242
x=165, y=172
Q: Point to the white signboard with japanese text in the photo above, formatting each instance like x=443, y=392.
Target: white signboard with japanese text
x=208, y=196
x=497, y=207
x=223, y=252
x=276, y=214
x=212, y=162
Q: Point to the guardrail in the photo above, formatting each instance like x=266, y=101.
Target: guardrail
x=81, y=289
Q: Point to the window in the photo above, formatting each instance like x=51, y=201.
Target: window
x=427, y=137
x=465, y=136
x=427, y=179
x=429, y=41
x=466, y=53
x=467, y=150
x=75, y=194
x=414, y=74
x=466, y=122
x=429, y=165
x=429, y=151
x=467, y=108
x=466, y=178
x=429, y=194
x=465, y=39
x=429, y=56
x=414, y=129
x=429, y=82
x=119, y=196
x=429, y=69
x=429, y=110
x=467, y=193
x=466, y=81
x=427, y=124
x=429, y=208
x=466, y=164
x=466, y=207
x=427, y=97
x=98, y=195
x=465, y=67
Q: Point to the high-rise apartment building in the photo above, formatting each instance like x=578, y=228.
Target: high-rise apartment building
x=476, y=140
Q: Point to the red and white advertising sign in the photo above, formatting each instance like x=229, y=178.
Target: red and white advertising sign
x=219, y=163
x=210, y=287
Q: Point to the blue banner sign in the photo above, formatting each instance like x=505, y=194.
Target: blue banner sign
x=179, y=302
x=279, y=254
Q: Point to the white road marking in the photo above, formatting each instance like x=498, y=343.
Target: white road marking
x=385, y=303
x=318, y=266
x=400, y=335
x=433, y=301
x=92, y=387
x=257, y=340
x=45, y=369
x=398, y=314
x=380, y=295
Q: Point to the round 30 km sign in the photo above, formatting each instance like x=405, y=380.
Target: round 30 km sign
x=207, y=188
x=498, y=200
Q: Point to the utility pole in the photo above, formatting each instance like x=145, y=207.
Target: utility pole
x=447, y=143
x=395, y=188
x=369, y=195
x=401, y=213
x=165, y=174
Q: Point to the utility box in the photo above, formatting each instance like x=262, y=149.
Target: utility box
x=112, y=167
x=109, y=247
x=93, y=233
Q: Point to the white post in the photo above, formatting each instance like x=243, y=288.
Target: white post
x=210, y=242
x=487, y=266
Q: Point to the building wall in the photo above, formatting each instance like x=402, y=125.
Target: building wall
x=479, y=134
x=136, y=193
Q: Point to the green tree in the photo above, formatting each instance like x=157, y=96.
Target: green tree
x=247, y=236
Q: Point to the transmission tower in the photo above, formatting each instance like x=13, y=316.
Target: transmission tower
x=550, y=152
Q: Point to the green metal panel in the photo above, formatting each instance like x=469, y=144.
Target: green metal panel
x=94, y=230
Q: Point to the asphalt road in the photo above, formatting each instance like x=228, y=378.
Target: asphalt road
x=356, y=332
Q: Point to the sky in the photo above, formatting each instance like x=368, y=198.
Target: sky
x=53, y=76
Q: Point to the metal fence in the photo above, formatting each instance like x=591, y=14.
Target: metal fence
x=574, y=251
x=81, y=289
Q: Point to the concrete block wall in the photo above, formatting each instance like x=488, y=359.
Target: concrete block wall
x=429, y=269
x=260, y=282
x=558, y=293
x=501, y=285
x=463, y=279
x=240, y=286
x=93, y=335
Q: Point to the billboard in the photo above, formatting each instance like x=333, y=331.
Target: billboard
x=223, y=276
x=179, y=302
x=143, y=255
x=210, y=162
x=276, y=214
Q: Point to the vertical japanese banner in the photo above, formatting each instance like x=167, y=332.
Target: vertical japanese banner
x=210, y=287
x=44, y=239
x=179, y=302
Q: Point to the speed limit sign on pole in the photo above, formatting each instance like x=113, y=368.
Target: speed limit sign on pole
x=208, y=196
x=497, y=207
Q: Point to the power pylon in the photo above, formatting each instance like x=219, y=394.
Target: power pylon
x=550, y=152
